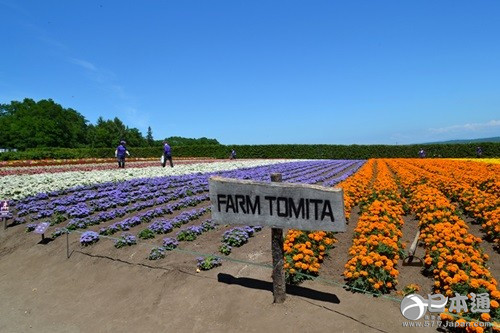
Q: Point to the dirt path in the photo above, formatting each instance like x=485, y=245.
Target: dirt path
x=494, y=257
x=333, y=265
x=412, y=274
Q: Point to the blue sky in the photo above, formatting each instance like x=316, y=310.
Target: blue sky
x=254, y=72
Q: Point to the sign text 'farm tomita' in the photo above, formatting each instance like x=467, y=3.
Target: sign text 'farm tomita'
x=279, y=205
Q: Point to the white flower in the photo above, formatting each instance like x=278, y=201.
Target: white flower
x=20, y=186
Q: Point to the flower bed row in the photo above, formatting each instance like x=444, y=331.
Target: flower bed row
x=304, y=253
x=187, y=234
x=236, y=237
x=377, y=244
x=357, y=187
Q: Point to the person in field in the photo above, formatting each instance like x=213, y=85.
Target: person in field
x=479, y=152
x=120, y=153
x=167, y=154
x=421, y=153
x=233, y=154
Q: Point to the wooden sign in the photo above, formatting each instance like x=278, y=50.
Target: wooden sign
x=279, y=205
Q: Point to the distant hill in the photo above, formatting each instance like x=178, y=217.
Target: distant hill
x=493, y=139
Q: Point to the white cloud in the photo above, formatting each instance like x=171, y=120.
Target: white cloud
x=83, y=63
x=470, y=127
x=104, y=79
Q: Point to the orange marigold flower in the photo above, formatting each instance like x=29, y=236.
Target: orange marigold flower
x=485, y=317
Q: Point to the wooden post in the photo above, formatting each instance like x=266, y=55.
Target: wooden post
x=279, y=285
x=413, y=248
x=67, y=244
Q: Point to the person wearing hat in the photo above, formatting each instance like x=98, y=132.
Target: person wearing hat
x=120, y=153
x=167, y=154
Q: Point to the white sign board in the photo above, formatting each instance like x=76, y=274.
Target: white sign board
x=41, y=228
x=278, y=205
x=4, y=208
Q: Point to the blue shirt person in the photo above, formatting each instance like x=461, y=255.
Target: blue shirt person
x=167, y=154
x=120, y=153
x=233, y=154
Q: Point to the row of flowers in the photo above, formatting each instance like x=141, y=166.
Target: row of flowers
x=453, y=255
x=237, y=237
x=304, y=252
x=187, y=234
x=377, y=244
x=357, y=187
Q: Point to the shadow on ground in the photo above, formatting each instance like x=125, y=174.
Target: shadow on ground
x=290, y=289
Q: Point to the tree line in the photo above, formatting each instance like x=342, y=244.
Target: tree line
x=43, y=124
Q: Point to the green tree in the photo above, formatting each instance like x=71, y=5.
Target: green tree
x=134, y=138
x=30, y=124
x=149, y=137
x=109, y=133
x=180, y=141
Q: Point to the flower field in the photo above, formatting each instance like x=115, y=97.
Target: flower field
x=142, y=206
x=441, y=194
x=453, y=203
x=17, y=186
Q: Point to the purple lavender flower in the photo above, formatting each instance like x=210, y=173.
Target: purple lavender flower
x=208, y=262
x=157, y=253
x=89, y=237
x=169, y=243
x=125, y=240
x=59, y=232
